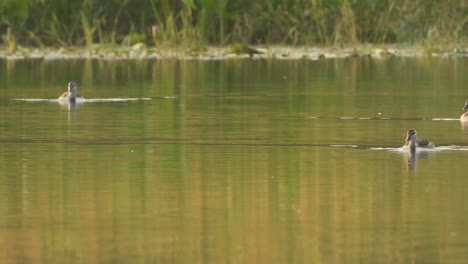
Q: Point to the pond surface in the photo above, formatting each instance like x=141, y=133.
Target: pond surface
x=235, y=161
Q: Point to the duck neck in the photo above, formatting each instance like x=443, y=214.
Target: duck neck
x=72, y=95
x=412, y=145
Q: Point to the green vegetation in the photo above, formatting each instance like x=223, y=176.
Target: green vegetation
x=195, y=23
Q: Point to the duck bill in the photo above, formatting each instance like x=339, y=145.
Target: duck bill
x=465, y=107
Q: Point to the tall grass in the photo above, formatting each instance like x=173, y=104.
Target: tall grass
x=346, y=28
x=191, y=23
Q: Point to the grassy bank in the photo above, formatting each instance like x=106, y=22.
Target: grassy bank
x=199, y=23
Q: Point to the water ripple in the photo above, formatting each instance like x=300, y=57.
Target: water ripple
x=402, y=149
x=80, y=100
x=436, y=149
x=383, y=118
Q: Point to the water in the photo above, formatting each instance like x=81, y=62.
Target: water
x=241, y=161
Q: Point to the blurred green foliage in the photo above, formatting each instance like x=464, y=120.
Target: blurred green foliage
x=195, y=22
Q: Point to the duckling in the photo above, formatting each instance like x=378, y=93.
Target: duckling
x=412, y=141
x=72, y=92
x=464, y=116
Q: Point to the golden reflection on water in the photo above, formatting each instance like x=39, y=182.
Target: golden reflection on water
x=230, y=169
x=176, y=203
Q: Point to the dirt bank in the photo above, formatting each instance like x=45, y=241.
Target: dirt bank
x=141, y=51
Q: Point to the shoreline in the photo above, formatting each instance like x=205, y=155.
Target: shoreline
x=140, y=51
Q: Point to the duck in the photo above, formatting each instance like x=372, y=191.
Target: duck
x=72, y=92
x=412, y=141
x=464, y=116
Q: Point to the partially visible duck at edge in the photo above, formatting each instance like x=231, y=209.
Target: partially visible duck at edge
x=412, y=141
x=72, y=92
x=464, y=116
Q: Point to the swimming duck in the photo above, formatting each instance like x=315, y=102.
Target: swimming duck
x=464, y=116
x=412, y=141
x=72, y=93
